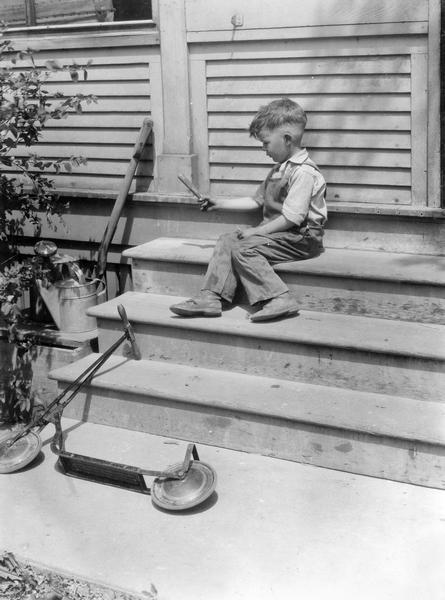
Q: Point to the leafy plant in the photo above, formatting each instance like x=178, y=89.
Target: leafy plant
x=27, y=193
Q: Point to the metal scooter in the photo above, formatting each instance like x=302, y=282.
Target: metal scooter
x=179, y=487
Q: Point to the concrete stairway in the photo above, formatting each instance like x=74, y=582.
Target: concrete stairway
x=355, y=382
x=381, y=284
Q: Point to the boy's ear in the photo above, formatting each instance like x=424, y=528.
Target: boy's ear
x=287, y=138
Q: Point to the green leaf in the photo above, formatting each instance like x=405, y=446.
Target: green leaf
x=52, y=65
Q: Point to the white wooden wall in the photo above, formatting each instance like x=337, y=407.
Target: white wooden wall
x=359, y=69
x=213, y=15
x=366, y=73
x=105, y=133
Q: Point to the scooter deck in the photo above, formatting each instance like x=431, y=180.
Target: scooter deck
x=103, y=471
x=118, y=474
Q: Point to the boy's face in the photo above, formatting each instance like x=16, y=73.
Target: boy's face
x=276, y=144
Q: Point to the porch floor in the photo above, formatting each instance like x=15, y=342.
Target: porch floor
x=274, y=528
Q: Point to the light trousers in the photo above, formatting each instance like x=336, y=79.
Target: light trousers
x=249, y=263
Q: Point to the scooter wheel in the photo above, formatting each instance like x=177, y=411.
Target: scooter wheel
x=20, y=454
x=181, y=494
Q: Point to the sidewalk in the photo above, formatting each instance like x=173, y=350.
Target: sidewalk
x=275, y=529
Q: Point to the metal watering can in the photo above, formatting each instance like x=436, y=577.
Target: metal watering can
x=71, y=294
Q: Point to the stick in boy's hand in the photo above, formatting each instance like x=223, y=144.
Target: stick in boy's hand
x=203, y=201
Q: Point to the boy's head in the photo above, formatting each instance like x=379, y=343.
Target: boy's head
x=279, y=126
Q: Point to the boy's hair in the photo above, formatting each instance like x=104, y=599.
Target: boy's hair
x=276, y=114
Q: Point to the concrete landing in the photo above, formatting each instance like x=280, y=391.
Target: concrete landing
x=275, y=528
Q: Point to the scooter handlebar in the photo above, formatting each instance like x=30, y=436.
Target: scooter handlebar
x=129, y=332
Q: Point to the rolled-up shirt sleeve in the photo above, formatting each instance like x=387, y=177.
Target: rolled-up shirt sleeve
x=297, y=202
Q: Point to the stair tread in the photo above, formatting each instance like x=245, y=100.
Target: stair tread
x=365, y=334
x=363, y=264
x=366, y=412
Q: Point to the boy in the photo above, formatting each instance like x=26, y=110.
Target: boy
x=292, y=198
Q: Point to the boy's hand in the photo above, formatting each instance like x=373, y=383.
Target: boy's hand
x=244, y=234
x=207, y=204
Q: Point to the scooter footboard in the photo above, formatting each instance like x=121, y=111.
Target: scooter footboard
x=103, y=471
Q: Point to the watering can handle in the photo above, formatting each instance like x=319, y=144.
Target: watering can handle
x=129, y=332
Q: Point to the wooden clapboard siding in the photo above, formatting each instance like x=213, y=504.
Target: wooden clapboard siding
x=108, y=184
x=322, y=139
x=118, y=105
x=89, y=136
x=304, y=13
x=137, y=72
x=136, y=53
x=112, y=87
x=356, y=175
x=336, y=84
x=114, y=167
x=101, y=120
x=255, y=156
x=340, y=41
x=323, y=121
x=357, y=68
x=94, y=117
x=359, y=121
x=336, y=193
x=106, y=131
x=89, y=151
x=316, y=102
x=312, y=66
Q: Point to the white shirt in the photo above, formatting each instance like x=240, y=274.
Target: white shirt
x=307, y=187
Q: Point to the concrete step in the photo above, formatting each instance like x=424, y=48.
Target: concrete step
x=385, y=436
x=362, y=353
x=381, y=228
x=381, y=284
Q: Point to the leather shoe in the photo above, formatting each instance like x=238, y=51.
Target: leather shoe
x=282, y=306
x=204, y=305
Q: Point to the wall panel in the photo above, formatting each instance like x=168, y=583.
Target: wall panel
x=304, y=13
x=361, y=109
x=106, y=131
